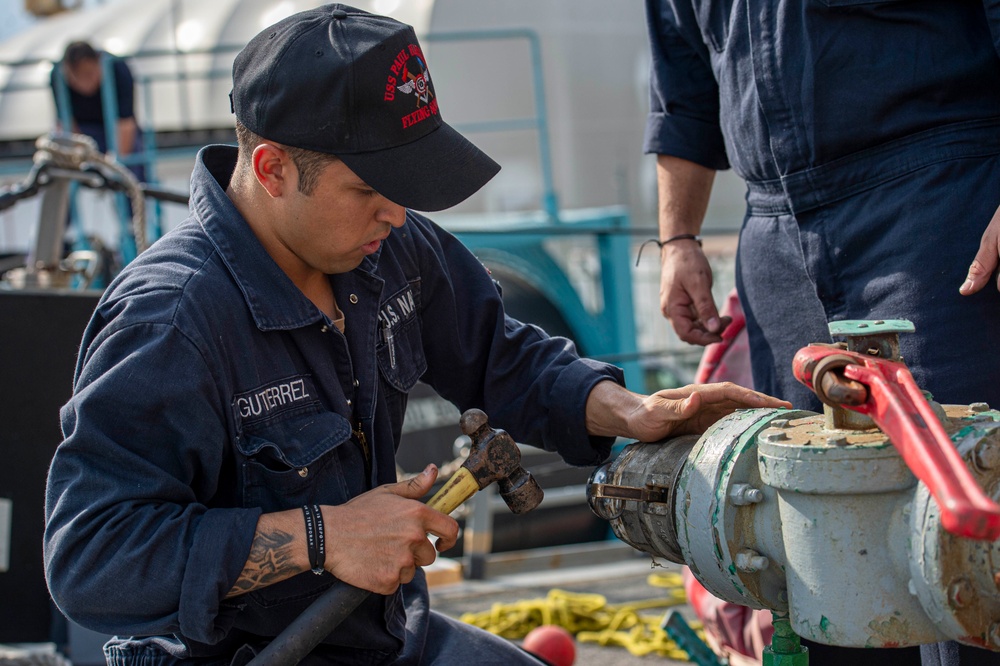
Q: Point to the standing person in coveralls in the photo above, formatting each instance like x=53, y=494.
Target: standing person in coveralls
x=868, y=134
x=247, y=375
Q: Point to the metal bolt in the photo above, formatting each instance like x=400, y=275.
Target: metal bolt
x=773, y=436
x=862, y=325
x=751, y=561
x=837, y=440
x=658, y=481
x=960, y=593
x=979, y=407
x=743, y=494
x=779, y=423
x=879, y=322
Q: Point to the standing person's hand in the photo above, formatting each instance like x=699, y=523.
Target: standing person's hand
x=686, y=293
x=377, y=540
x=986, y=260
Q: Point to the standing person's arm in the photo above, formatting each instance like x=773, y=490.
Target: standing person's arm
x=682, y=130
x=685, y=275
x=127, y=132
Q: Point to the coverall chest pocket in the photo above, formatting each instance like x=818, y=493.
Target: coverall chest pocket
x=294, y=460
x=400, y=347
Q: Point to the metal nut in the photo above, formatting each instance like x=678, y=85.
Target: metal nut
x=994, y=634
x=837, y=440
x=960, y=593
x=779, y=423
x=986, y=454
x=979, y=407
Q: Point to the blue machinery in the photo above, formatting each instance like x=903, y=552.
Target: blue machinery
x=536, y=288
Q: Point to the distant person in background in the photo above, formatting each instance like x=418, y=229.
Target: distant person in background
x=81, y=69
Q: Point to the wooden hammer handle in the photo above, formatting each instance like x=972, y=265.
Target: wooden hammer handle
x=460, y=487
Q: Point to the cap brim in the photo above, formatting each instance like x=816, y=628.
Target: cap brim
x=437, y=171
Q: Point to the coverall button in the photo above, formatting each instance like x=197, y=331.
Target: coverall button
x=304, y=472
x=349, y=403
x=324, y=328
x=354, y=299
x=356, y=383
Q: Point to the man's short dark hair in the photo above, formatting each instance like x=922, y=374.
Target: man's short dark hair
x=309, y=162
x=77, y=52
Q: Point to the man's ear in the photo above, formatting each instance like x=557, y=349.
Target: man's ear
x=274, y=169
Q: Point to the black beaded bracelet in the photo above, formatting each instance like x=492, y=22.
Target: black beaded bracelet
x=660, y=243
x=315, y=537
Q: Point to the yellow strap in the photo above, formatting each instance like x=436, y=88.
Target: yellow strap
x=591, y=619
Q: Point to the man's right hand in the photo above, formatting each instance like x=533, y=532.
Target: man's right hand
x=377, y=540
x=686, y=293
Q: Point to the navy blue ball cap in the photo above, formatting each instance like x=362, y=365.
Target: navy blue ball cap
x=342, y=81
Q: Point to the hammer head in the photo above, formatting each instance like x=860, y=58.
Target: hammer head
x=494, y=457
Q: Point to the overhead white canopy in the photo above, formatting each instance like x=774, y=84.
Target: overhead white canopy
x=188, y=28
x=594, y=59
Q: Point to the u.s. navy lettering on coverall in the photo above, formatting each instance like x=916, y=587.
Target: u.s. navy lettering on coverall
x=398, y=310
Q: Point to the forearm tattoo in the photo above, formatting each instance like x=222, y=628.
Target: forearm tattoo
x=272, y=559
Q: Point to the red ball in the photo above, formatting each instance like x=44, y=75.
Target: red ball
x=551, y=643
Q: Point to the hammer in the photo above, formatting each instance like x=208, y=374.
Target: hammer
x=494, y=456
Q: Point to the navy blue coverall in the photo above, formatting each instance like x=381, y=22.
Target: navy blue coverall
x=210, y=390
x=868, y=134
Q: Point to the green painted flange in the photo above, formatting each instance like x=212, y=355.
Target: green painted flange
x=856, y=327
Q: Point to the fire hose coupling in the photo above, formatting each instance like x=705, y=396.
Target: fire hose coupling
x=886, y=503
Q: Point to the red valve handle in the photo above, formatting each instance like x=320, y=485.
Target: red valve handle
x=898, y=407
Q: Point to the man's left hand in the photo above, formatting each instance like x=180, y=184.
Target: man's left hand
x=690, y=410
x=614, y=411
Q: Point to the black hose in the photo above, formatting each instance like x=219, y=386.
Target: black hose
x=162, y=194
x=310, y=628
